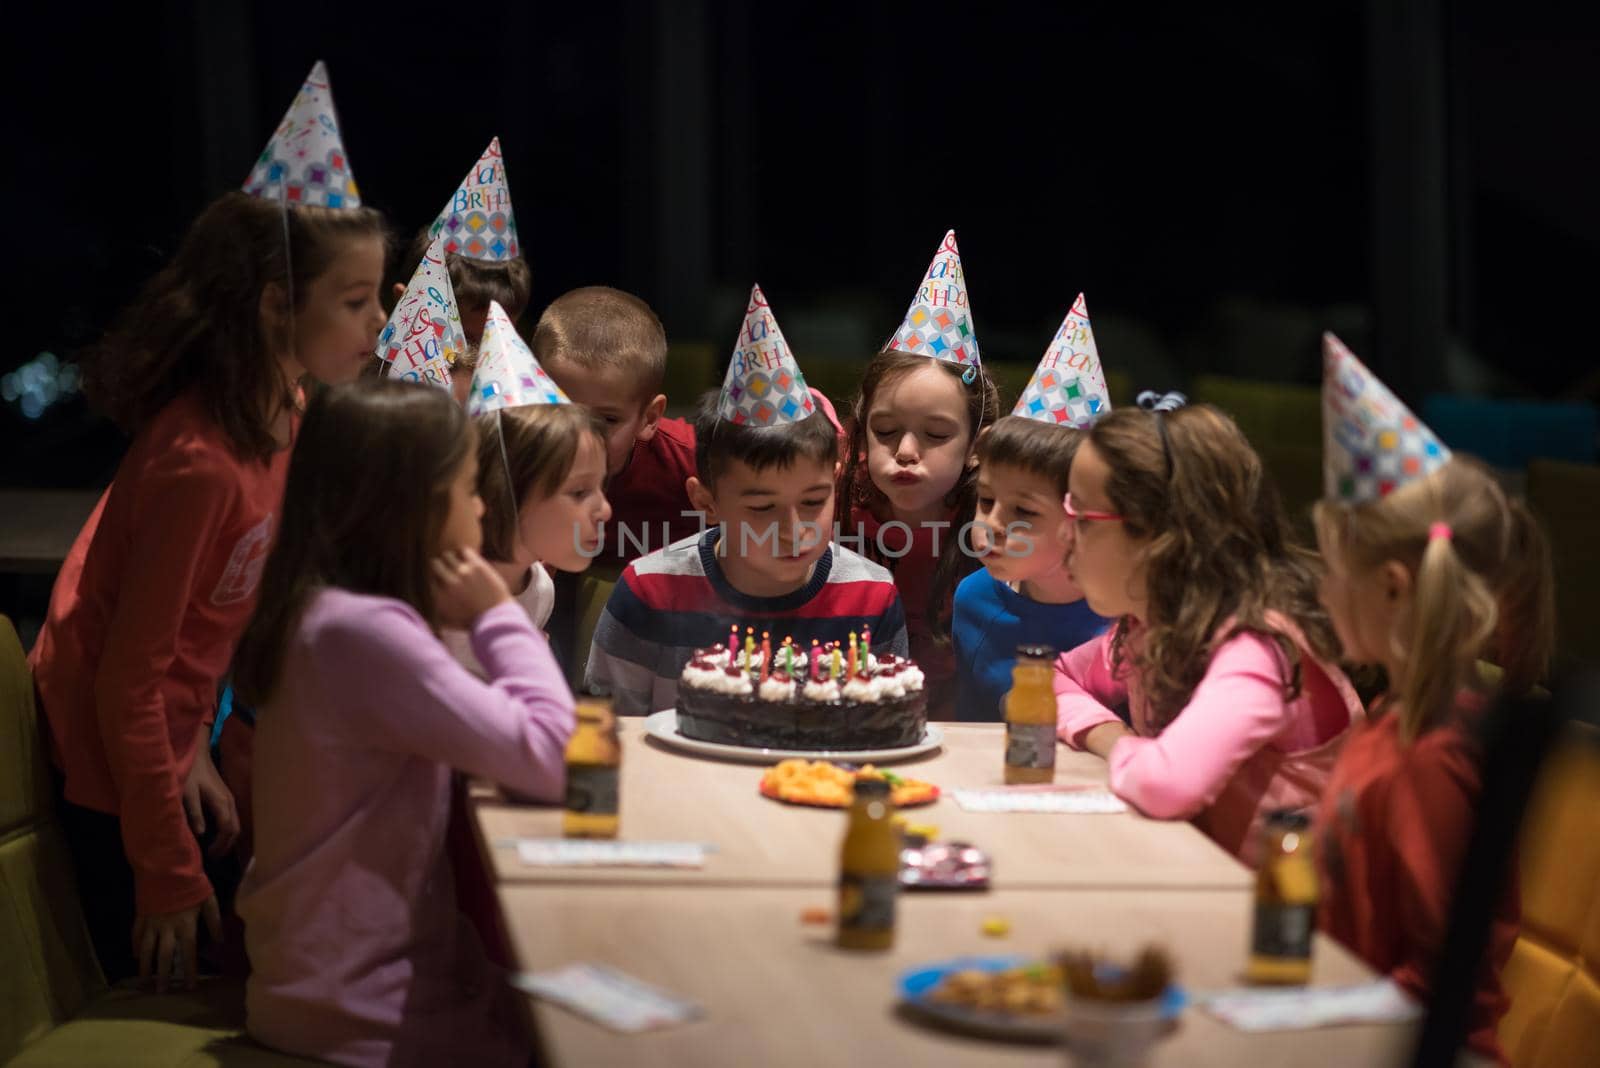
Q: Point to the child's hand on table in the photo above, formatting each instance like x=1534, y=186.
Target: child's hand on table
x=1102, y=737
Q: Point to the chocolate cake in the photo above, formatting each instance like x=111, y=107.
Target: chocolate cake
x=736, y=698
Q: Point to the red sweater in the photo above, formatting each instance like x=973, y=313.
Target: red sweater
x=1392, y=829
x=142, y=624
x=648, y=495
x=912, y=560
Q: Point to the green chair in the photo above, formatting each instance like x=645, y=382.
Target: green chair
x=1566, y=498
x=1284, y=424
x=55, y=1009
x=594, y=590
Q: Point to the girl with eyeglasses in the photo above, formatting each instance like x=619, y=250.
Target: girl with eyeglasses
x=1220, y=651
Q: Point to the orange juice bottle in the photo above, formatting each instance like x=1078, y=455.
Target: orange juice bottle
x=869, y=870
x=1031, y=717
x=594, y=767
x=1286, y=902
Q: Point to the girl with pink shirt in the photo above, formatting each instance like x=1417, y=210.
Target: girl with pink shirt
x=1220, y=651
x=359, y=953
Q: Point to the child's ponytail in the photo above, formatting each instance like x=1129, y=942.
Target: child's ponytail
x=1482, y=584
x=1453, y=616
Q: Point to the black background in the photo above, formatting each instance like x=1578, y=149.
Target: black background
x=1209, y=177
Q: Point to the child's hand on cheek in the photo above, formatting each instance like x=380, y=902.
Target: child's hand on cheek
x=465, y=587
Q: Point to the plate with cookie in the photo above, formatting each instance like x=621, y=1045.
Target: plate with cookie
x=823, y=784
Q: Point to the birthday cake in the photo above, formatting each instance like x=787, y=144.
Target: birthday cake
x=836, y=696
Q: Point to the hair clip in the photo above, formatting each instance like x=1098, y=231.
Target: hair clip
x=970, y=375
x=1152, y=401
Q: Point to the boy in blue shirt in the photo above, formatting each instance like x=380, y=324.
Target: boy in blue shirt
x=1025, y=594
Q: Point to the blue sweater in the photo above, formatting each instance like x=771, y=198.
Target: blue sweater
x=991, y=620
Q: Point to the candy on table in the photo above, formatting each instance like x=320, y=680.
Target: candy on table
x=996, y=926
x=816, y=915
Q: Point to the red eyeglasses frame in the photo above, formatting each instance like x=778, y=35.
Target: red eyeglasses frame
x=1088, y=517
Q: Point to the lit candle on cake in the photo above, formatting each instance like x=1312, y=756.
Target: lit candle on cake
x=733, y=645
x=852, y=654
x=816, y=660
x=866, y=645
x=766, y=654
x=835, y=663
x=749, y=648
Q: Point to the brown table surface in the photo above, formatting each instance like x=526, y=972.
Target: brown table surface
x=776, y=992
x=37, y=526
x=668, y=795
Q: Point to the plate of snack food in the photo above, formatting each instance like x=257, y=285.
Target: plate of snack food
x=1028, y=999
x=823, y=784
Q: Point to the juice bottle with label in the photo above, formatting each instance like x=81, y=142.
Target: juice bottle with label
x=869, y=870
x=1286, y=902
x=594, y=765
x=1030, y=709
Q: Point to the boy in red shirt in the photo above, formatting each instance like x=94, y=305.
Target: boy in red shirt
x=608, y=351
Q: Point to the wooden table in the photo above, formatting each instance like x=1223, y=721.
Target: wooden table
x=777, y=992
x=37, y=527
x=670, y=795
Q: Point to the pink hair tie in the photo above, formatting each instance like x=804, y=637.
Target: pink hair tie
x=1440, y=530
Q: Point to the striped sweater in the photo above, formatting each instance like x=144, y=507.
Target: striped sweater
x=676, y=600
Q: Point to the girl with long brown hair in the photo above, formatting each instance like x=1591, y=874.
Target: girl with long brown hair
x=1431, y=567
x=358, y=950
x=911, y=470
x=1220, y=650
x=204, y=369
x=541, y=477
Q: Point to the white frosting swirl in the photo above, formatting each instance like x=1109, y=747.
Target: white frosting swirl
x=735, y=685
x=888, y=686
x=822, y=690
x=700, y=678
x=859, y=689
x=777, y=689
x=910, y=676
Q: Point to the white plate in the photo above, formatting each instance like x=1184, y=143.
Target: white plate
x=663, y=727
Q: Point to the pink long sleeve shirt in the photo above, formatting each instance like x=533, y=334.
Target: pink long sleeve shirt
x=1235, y=752
x=359, y=954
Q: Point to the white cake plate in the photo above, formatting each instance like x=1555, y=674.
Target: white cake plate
x=663, y=727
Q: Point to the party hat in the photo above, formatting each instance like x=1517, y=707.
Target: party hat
x=939, y=321
x=508, y=375
x=423, y=338
x=763, y=386
x=304, y=161
x=1371, y=443
x=1068, y=387
x=477, y=223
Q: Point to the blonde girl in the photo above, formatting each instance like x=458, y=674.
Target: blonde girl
x=1443, y=572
